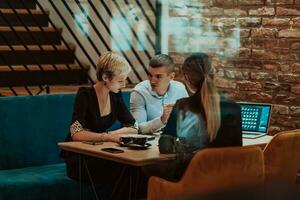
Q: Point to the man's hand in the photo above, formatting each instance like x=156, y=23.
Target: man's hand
x=166, y=113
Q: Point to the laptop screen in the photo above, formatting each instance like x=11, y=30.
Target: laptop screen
x=255, y=117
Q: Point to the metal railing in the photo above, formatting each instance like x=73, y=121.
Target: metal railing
x=99, y=17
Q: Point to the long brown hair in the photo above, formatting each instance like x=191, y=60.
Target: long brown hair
x=200, y=74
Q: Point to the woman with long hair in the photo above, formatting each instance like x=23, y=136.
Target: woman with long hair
x=205, y=119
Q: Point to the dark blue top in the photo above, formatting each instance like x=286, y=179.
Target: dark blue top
x=188, y=120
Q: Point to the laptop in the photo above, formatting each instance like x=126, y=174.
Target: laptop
x=255, y=119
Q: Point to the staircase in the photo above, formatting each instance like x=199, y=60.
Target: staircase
x=32, y=54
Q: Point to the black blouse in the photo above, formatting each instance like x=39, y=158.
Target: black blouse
x=87, y=111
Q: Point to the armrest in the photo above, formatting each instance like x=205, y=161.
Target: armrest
x=159, y=188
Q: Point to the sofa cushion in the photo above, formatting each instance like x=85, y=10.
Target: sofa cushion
x=42, y=182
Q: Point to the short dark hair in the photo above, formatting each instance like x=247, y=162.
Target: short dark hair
x=162, y=60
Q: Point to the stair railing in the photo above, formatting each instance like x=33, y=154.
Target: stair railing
x=142, y=57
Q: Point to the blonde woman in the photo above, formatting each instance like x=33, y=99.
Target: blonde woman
x=96, y=108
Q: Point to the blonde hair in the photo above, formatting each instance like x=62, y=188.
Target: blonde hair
x=112, y=64
x=210, y=99
x=200, y=73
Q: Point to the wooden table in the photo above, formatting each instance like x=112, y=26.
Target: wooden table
x=261, y=141
x=130, y=156
x=138, y=157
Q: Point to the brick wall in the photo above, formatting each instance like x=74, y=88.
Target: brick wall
x=261, y=64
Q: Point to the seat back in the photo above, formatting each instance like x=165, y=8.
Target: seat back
x=282, y=157
x=31, y=127
x=212, y=170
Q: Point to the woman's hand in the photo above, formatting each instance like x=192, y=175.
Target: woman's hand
x=115, y=137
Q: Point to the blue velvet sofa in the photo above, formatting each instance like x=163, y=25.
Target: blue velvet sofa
x=30, y=166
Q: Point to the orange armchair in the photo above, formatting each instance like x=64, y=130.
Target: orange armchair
x=212, y=170
x=282, y=157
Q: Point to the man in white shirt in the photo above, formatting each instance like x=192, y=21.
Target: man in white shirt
x=152, y=100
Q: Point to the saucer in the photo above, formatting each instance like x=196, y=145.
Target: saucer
x=135, y=146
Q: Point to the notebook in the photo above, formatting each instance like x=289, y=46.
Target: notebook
x=255, y=119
